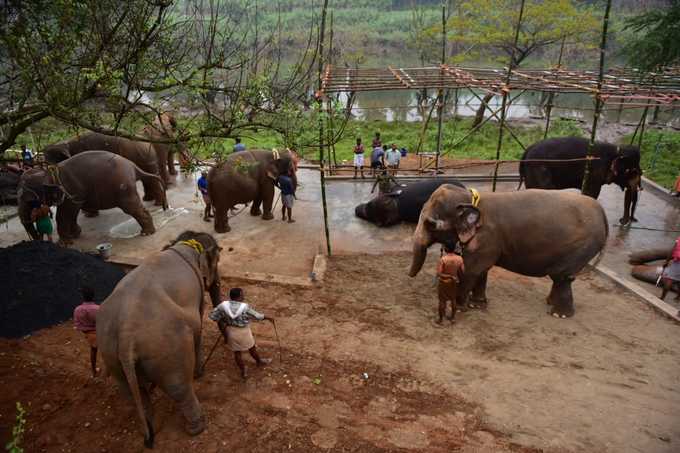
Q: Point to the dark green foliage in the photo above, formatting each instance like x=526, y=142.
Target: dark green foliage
x=656, y=39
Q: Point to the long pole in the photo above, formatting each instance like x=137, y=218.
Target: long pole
x=506, y=89
x=322, y=170
x=551, y=95
x=440, y=97
x=598, y=101
x=329, y=109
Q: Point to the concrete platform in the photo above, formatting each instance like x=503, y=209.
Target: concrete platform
x=281, y=252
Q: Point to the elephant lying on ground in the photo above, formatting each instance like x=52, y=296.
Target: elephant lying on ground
x=90, y=181
x=247, y=176
x=403, y=205
x=616, y=164
x=532, y=232
x=141, y=153
x=149, y=328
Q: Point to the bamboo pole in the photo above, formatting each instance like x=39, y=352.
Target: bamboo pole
x=551, y=95
x=329, y=111
x=505, y=98
x=598, y=100
x=440, y=96
x=321, y=132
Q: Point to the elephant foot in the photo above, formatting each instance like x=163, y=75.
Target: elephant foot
x=196, y=427
x=222, y=229
x=255, y=212
x=91, y=213
x=562, y=313
x=148, y=232
x=479, y=304
x=267, y=216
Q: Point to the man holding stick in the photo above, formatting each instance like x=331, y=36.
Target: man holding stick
x=233, y=317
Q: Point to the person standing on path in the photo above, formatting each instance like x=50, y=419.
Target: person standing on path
x=377, y=160
x=203, y=188
x=85, y=321
x=376, y=143
x=236, y=316
x=42, y=216
x=238, y=146
x=449, y=272
x=393, y=157
x=285, y=183
x=359, y=158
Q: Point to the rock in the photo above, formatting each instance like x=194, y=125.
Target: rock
x=47, y=407
x=88, y=424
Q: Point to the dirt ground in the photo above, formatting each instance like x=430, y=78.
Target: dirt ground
x=510, y=379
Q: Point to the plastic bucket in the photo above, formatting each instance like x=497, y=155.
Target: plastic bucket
x=105, y=250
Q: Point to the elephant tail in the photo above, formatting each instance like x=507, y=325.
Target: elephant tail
x=128, y=366
x=149, y=177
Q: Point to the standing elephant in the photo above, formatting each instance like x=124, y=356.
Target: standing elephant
x=402, y=205
x=149, y=329
x=90, y=181
x=247, y=176
x=616, y=164
x=533, y=232
x=164, y=128
x=141, y=153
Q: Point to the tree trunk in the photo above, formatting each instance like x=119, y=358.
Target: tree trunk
x=479, y=116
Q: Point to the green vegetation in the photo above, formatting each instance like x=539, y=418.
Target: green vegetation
x=654, y=42
x=660, y=156
x=14, y=445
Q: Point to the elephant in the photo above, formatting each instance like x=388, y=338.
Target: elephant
x=164, y=127
x=91, y=181
x=141, y=153
x=532, y=232
x=402, y=205
x=149, y=329
x=616, y=164
x=247, y=176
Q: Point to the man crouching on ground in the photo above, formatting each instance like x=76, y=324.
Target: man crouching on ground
x=237, y=315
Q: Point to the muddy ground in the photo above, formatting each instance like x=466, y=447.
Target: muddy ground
x=508, y=379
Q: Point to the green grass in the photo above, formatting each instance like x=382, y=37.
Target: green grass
x=660, y=156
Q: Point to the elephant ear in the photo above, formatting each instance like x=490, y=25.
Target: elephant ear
x=468, y=221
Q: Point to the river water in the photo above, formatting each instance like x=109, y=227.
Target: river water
x=402, y=106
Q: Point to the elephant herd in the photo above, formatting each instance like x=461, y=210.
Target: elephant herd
x=93, y=171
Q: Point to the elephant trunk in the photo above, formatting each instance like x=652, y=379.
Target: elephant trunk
x=421, y=242
x=215, y=291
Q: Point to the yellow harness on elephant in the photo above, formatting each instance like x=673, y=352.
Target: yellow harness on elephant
x=194, y=244
x=475, y=197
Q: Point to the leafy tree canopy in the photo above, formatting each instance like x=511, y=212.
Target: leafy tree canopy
x=486, y=28
x=656, y=38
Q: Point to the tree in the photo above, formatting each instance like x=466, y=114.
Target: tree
x=107, y=66
x=656, y=38
x=486, y=30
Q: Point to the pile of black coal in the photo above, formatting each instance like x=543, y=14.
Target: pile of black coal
x=41, y=285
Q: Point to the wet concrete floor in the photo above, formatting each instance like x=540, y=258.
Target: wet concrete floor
x=258, y=248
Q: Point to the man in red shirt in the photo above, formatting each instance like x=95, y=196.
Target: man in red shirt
x=449, y=272
x=671, y=271
x=85, y=320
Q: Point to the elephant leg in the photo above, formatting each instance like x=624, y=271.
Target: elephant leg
x=478, y=299
x=267, y=194
x=198, y=353
x=25, y=216
x=136, y=210
x=255, y=207
x=171, y=163
x=221, y=216
x=67, y=221
x=163, y=167
x=149, y=191
x=561, y=297
x=182, y=392
x=463, y=295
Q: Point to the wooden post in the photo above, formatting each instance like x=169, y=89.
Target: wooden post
x=440, y=95
x=598, y=101
x=329, y=111
x=506, y=88
x=322, y=170
x=551, y=95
